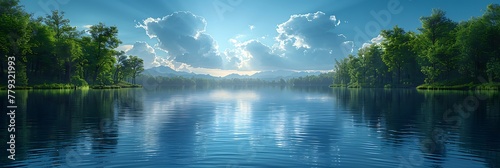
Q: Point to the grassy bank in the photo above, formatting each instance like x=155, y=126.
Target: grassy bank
x=470, y=86
x=17, y=88
x=356, y=85
x=70, y=86
x=436, y=86
x=54, y=86
x=116, y=86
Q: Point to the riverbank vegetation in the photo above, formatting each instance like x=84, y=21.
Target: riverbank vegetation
x=50, y=53
x=443, y=54
x=323, y=79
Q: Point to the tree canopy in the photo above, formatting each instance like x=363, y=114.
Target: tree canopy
x=442, y=51
x=49, y=50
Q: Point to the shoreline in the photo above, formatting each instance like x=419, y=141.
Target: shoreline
x=67, y=87
x=486, y=86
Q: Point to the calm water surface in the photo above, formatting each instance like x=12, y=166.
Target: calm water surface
x=255, y=127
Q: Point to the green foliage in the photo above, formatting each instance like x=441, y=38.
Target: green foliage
x=21, y=78
x=367, y=69
x=49, y=50
x=398, y=54
x=54, y=86
x=435, y=46
x=132, y=67
x=77, y=81
x=323, y=79
x=103, y=40
x=14, y=37
x=447, y=54
x=493, y=68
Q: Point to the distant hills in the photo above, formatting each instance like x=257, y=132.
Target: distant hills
x=169, y=72
x=264, y=75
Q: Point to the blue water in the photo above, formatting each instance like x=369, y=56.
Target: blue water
x=255, y=127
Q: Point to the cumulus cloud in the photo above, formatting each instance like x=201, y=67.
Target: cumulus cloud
x=182, y=35
x=253, y=55
x=310, y=41
x=144, y=51
x=377, y=40
x=312, y=30
x=304, y=42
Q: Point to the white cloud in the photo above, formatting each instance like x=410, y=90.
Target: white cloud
x=310, y=41
x=87, y=26
x=304, y=42
x=376, y=40
x=233, y=41
x=124, y=48
x=144, y=51
x=182, y=35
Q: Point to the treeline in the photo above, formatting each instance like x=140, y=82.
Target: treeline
x=50, y=50
x=324, y=79
x=443, y=52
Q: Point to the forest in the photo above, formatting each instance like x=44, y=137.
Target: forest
x=50, y=51
x=443, y=54
x=323, y=79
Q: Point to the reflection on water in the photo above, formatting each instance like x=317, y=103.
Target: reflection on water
x=256, y=127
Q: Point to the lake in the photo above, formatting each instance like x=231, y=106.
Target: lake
x=255, y=127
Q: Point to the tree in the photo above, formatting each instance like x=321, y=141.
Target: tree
x=355, y=68
x=42, y=44
x=398, y=52
x=341, y=72
x=436, y=45
x=14, y=37
x=66, y=49
x=104, y=39
x=375, y=68
x=133, y=66
x=478, y=46
x=119, y=70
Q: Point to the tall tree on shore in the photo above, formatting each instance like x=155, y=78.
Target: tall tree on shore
x=479, y=49
x=104, y=40
x=375, y=68
x=435, y=45
x=66, y=48
x=42, y=44
x=14, y=36
x=398, y=52
x=134, y=66
x=341, y=72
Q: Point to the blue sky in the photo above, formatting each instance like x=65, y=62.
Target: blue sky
x=219, y=37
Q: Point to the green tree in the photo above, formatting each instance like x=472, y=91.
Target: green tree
x=477, y=42
x=398, y=52
x=119, y=70
x=435, y=45
x=341, y=72
x=376, y=72
x=66, y=49
x=14, y=37
x=42, y=45
x=133, y=66
x=104, y=40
